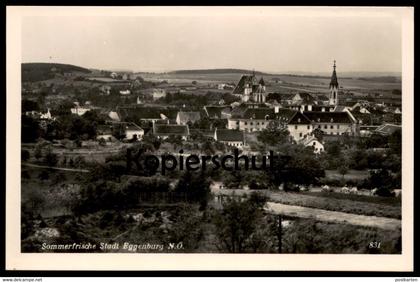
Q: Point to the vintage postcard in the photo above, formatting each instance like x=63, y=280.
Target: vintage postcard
x=214, y=138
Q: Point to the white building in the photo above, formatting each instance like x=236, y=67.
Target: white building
x=312, y=141
x=79, y=110
x=125, y=92
x=230, y=137
x=158, y=93
x=133, y=131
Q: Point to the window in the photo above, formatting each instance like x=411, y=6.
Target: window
x=314, y=144
x=246, y=123
x=309, y=127
x=338, y=126
x=262, y=123
x=300, y=134
x=295, y=126
x=251, y=123
x=319, y=126
x=258, y=123
x=332, y=127
x=325, y=126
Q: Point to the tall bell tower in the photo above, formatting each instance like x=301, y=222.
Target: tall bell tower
x=334, y=88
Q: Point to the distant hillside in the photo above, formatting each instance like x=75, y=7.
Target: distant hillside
x=216, y=71
x=386, y=79
x=42, y=71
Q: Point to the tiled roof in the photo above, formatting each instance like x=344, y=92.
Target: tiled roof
x=217, y=111
x=185, y=117
x=104, y=129
x=259, y=113
x=133, y=127
x=229, y=135
x=285, y=115
x=308, y=140
x=170, y=129
x=299, y=118
x=363, y=118
x=328, y=117
x=131, y=113
x=306, y=98
x=318, y=108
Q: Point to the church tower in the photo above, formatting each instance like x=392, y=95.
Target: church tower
x=334, y=88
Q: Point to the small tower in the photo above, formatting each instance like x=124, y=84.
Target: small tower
x=334, y=88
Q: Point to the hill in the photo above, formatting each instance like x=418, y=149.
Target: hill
x=32, y=72
x=216, y=71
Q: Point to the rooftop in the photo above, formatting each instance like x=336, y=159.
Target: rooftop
x=228, y=135
x=170, y=129
x=328, y=117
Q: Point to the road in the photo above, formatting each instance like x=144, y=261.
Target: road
x=318, y=214
x=334, y=216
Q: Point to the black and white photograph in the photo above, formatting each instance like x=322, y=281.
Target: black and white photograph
x=239, y=130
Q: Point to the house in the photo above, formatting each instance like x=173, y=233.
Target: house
x=252, y=119
x=105, y=89
x=125, y=92
x=114, y=75
x=158, y=93
x=164, y=131
x=46, y=116
x=334, y=123
x=79, y=110
x=218, y=112
x=114, y=116
x=298, y=125
x=150, y=114
x=312, y=141
x=187, y=117
x=230, y=137
x=387, y=129
x=300, y=101
x=133, y=131
x=105, y=132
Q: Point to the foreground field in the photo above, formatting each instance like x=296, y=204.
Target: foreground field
x=355, y=204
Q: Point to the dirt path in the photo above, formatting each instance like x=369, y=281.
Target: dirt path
x=56, y=168
x=334, y=216
x=317, y=213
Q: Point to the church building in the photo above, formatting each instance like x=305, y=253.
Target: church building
x=250, y=89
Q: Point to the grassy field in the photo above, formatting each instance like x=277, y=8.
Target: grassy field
x=355, y=175
x=302, y=81
x=376, y=206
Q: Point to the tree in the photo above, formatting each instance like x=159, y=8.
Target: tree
x=195, y=185
x=207, y=148
x=275, y=133
x=237, y=224
x=382, y=181
x=30, y=129
x=343, y=168
x=50, y=158
x=38, y=151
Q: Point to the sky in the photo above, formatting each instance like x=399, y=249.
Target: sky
x=275, y=41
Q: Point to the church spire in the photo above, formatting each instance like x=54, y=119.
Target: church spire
x=334, y=80
x=334, y=87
